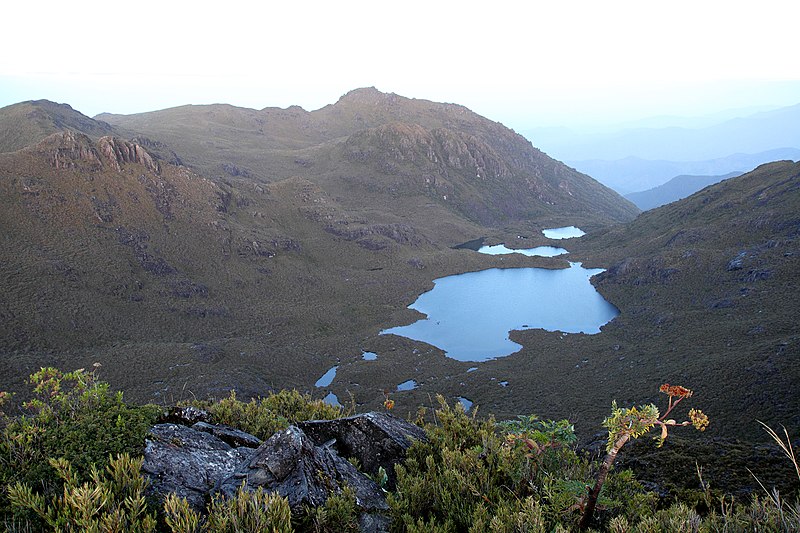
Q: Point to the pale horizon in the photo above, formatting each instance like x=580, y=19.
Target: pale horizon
x=570, y=64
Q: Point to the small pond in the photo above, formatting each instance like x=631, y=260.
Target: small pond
x=567, y=232
x=539, y=251
x=369, y=356
x=407, y=385
x=467, y=404
x=327, y=378
x=331, y=399
x=469, y=316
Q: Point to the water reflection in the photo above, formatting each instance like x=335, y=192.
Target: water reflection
x=539, y=251
x=469, y=316
x=567, y=232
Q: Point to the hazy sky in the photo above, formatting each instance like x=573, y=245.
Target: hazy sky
x=522, y=63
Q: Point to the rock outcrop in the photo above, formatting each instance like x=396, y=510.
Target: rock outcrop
x=290, y=464
x=375, y=439
x=306, y=463
x=118, y=152
x=70, y=149
x=188, y=462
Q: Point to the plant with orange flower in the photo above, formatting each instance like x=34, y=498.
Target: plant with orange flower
x=629, y=423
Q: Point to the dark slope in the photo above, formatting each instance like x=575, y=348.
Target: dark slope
x=180, y=285
x=27, y=123
x=394, y=151
x=675, y=189
x=708, y=288
x=709, y=293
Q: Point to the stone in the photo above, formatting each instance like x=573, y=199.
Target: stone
x=290, y=464
x=186, y=416
x=232, y=436
x=375, y=439
x=187, y=462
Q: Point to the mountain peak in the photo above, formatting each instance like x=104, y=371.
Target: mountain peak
x=27, y=123
x=365, y=93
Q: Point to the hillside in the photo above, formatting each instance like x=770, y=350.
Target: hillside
x=708, y=286
x=390, y=152
x=27, y=123
x=675, y=189
x=326, y=227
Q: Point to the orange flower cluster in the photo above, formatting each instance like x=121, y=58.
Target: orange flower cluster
x=675, y=390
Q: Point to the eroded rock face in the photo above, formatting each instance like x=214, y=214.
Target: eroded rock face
x=290, y=464
x=187, y=462
x=116, y=152
x=234, y=437
x=305, y=464
x=375, y=439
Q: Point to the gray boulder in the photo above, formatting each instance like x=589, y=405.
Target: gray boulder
x=290, y=464
x=375, y=439
x=187, y=462
x=234, y=437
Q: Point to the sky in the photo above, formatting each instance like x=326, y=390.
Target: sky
x=525, y=64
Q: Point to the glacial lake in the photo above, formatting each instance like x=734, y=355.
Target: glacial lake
x=469, y=316
x=539, y=251
x=567, y=232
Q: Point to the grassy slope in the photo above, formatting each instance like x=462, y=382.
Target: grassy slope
x=27, y=123
x=387, y=147
x=346, y=249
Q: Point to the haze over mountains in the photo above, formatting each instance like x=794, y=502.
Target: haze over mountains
x=675, y=189
x=634, y=159
x=203, y=248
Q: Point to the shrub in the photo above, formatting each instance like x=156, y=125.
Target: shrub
x=110, y=502
x=264, y=416
x=75, y=417
x=475, y=475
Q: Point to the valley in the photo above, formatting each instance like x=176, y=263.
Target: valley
x=199, y=249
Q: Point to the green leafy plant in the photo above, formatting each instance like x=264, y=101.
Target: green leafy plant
x=264, y=416
x=72, y=416
x=112, y=501
x=629, y=423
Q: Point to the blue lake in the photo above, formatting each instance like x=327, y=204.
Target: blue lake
x=467, y=404
x=567, y=232
x=540, y=251
x=469, y=316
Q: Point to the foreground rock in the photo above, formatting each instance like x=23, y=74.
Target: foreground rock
x=375, y=439
x=306, y=474
x=306, y=463
x=188, y=462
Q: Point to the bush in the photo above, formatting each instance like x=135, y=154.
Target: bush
x=110, y=502
x=75, y=417
x=264, y=416
x=475, y=475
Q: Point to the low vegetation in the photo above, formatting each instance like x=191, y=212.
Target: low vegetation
x=72, y=463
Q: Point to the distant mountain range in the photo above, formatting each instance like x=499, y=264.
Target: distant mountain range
x=639, y=158
x=675, y=189
x=749, y=134
x=633, y=174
